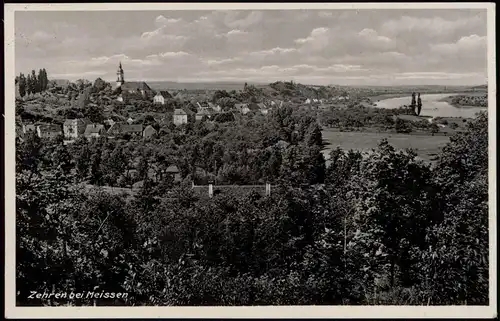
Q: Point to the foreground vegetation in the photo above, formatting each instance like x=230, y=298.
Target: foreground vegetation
x=382, y=228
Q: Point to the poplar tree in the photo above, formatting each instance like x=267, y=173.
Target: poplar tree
x=22, y=85
x=29, y=85
x=34, y=82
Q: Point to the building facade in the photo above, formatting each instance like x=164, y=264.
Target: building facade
x=48, y=130
x=180, y=117
x=94, y=131
x=161, y=97
x=149, y=132
x=74, y=128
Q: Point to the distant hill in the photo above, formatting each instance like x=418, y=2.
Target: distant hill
x=416, y=87
x=171, y=85
x=481, y=88
x=60, y=82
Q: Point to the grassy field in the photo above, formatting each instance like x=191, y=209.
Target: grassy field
x=427, y=146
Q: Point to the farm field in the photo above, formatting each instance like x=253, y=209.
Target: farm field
x=427, y=146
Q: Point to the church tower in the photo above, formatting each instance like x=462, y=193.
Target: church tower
x=119, y=76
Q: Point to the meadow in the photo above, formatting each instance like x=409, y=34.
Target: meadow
x=427, y=146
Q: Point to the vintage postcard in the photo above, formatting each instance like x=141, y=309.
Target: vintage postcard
x=250, y=160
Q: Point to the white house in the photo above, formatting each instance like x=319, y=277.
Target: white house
x=73, y=128
x=94, y=130
x=161, y=96
x=180, y=117
x=48, y=130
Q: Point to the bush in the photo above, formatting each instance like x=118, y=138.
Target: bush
x=402, y=126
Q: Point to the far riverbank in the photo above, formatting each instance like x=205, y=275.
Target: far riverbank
x=379, y=97
x=449, y=100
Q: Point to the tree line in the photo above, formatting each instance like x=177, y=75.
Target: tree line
x=32, y=83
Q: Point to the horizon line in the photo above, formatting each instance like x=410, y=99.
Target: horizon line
x=268, y=83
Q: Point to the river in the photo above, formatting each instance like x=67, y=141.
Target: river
x=432, y=106
x=426, y=145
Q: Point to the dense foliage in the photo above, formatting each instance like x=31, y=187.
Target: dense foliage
x=377, y=228
x=33, y=83
x=470, y=100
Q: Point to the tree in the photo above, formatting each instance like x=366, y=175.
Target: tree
x=81, y=84
x=100, y=84
x=313, y=136
x=457, y=262
x=82, y=162
x=29, y=153
x=142, y=168
x=96, y=173
x=29, y=85
x=43, y=79
x=40, y=81
x=402, y=126
x=35, y=83
x=61, y=159
x=398, y=209
x=22, y=85
x=434, y=128
x=43, y=233
x=93, y=112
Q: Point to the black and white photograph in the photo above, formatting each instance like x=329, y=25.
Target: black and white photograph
x=237, y=155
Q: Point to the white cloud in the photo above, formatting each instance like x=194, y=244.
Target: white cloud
x=435, y=26
x=317, y=40
x=162, y=21
x=218, y=62
x=236, y=32
x=372, y=35
x=177, y=54
x=274, y=51
x=472, y=44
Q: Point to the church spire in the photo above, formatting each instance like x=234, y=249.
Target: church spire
x=119, y=76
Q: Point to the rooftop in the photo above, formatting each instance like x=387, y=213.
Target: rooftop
x=164, y=94
x=94, y=129
x=179, y=112
x=50, y=127
x=71, y=121
x=172, y=169
x=134, y=85
x=125, y=128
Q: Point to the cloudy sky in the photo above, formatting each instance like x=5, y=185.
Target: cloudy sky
x=363, y=47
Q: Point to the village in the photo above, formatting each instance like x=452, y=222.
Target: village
x=127, y=91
